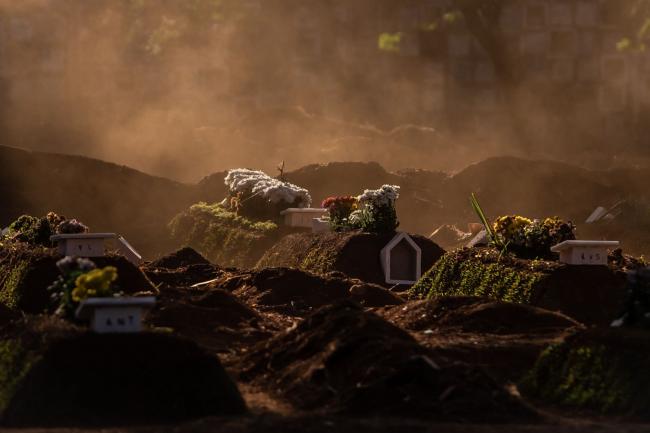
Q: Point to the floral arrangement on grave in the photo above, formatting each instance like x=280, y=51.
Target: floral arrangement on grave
x=37, y=231
x=257, y=195
x=636, y=310
x=339, y=209
x=524, y=237
x=72, y=226
x=376, y=210
x=532, y=238
x=80, y=279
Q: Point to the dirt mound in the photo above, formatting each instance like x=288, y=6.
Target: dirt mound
x=25, y=274
x=184, y=257
x=192, y=311
x=602, y=369
x=182, y=277
x=353, y=253
x=589, y=294
x=75, y=378
x=346, y=360
x=295, y=292
x=477, y=315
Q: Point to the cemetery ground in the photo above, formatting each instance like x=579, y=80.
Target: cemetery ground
x=319, y=352
x=260, y=326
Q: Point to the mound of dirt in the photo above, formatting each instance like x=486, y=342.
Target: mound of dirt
x=181, y=268
x=476, y=315
x=25, y=274
x=295, y=292
x=184, y=257
x=74, y=378
x=345, y=360
x=353, y=253
x=589, y=294
x=205, y=310
x=601, y=369
x=182, y=277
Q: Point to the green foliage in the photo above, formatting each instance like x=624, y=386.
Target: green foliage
x=390, y=42
x=30, y=229
x=12, y=274
x=222, y=236
x=15, y=363
x=481, y=215
x=591, y=376
x=454, y=275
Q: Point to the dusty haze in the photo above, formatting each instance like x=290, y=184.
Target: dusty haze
x=186, y=88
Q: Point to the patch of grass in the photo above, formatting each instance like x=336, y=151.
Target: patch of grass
x=456, y=274
x=15, y=362
x=592, y=375
x=222, y=236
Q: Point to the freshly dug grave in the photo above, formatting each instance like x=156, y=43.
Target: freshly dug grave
x=353, y=253
x=345, y=360
x=26, y=273
x=601, y=369
x=296, y=293
x=589, y=294
x=182, y=268
x=504, y=338
x=476, y=315
x=55, y=375
x=186, y=256
x=216, y=319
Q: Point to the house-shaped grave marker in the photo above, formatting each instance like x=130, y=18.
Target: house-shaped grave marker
x=401, y=260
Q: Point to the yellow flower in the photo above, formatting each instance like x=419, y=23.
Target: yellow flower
x=94, y=283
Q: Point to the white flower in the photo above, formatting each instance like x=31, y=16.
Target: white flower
x=261, y=184
x=386, y=195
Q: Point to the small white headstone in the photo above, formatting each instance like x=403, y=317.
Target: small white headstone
x=584, y=252
x=302, y=217
x=320, y=225
x=94, y=245
x=83, y=244
x=115, y=315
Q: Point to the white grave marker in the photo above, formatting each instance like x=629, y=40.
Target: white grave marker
x=94, y=245
x=584, y=252
x=115, y=315
x=401, y=260
x=320, y=225
x=302, y=217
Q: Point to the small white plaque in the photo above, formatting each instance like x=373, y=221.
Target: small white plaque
x=115, y=315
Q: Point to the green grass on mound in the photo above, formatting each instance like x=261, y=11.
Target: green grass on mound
x=222, y=236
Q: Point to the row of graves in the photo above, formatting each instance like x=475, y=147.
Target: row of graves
x=521, y=261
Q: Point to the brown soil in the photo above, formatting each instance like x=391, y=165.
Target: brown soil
x=214, y=318
x=477, y=315
x=184, y=257
x=297, y=293
x=79, y=378
x=505, y=339
x=354, y=254
x=350, y=361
